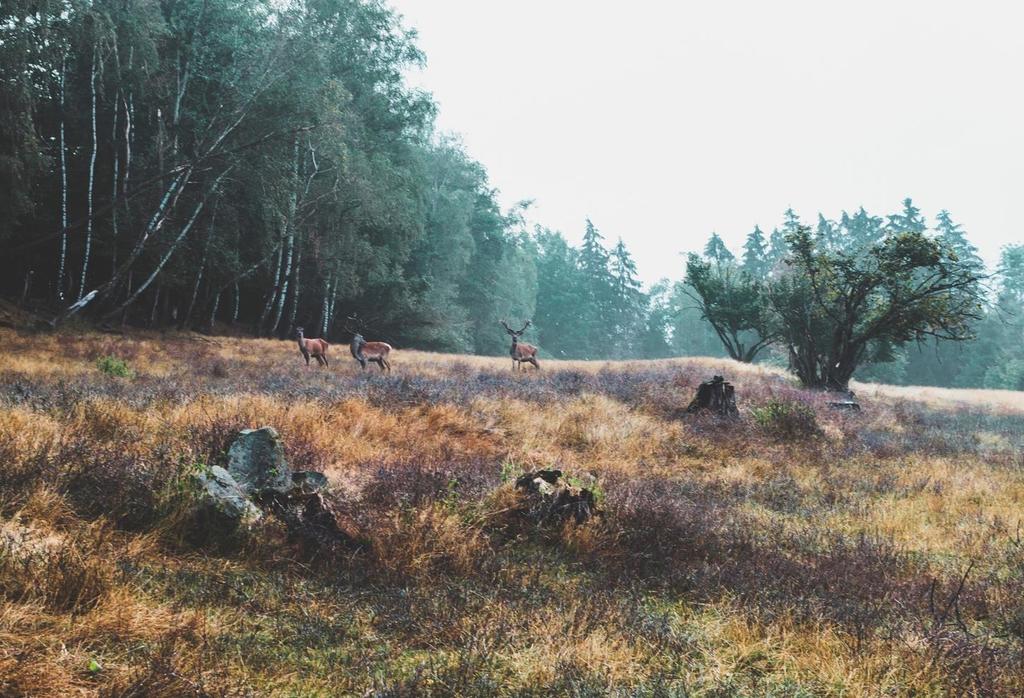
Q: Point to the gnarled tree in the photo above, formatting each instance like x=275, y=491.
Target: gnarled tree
x=835, y=310
x=733, y=302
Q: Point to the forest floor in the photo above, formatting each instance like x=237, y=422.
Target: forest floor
x=794, y=551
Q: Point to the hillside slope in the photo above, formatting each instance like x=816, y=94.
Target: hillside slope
x=795, y=551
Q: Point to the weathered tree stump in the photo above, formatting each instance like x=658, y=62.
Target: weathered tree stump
x=551, y=499
x=846, y=400
x=716, y=395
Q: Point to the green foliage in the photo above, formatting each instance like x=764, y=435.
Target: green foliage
x=113, y=366
x=786, y=420
x=733, y=302
x=835, y=310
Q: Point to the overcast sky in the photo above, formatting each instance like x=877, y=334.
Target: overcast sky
x=665, y=121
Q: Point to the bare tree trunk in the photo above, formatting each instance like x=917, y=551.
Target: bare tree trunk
x=296, y=290
x=213, y=312
x=129, y=132
x=27, y=287
x=289, y=226
x=326, y=305
x=62, y=259
x=116, y=166
x=238, y=300
x=186, y=321
x=92, y=177
x=273, y=292
x=330, y=310
x=290, y=241
x=152, y=312
x=170, y=251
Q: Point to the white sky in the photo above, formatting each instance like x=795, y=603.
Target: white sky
x=664, y=121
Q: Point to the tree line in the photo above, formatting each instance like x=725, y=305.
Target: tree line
x=253, y=166
x=890, y=299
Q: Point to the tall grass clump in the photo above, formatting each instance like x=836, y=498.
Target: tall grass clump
x=786, y=420
x=113, y=366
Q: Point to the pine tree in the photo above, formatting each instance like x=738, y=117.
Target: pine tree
x=716, y=251
x=777, y=249
x=860, y=230
x=755, y=254
x=952, y=234
x=909, y=220
x=827, y=233
x=599, y=293
x=630, y=302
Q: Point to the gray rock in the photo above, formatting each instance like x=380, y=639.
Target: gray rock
x=220, y=495
x=308, y=481
x=256, y=461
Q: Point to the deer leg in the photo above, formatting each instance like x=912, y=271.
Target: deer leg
x=380, y=364
x=324, y=357
x=388, y=364
x=535, y=364
x=305, y=355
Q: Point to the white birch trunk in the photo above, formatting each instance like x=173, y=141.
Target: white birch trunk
x=325, y=307
x=213, y=310
x=62, y=258
x=273, y=291
x=296, y=290
x=289, y=224
x=92, y=176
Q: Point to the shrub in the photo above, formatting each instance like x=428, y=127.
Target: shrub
x=113, y=366
x=787, y=420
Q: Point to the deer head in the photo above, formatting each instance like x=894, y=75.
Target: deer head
x=515, y=333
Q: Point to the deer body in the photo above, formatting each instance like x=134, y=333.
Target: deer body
x=521, y=352
x=317, y=348
x=366, y=352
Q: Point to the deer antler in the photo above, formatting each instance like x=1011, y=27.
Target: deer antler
x=514, y=332
x=353, y=318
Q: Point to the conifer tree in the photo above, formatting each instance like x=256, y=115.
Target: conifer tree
x=755, y=254
x=716, y=251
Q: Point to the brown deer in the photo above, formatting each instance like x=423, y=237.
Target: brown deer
x=521, y=352
x=365, y=352
x=317, y=348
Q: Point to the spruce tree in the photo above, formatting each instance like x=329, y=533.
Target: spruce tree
x=908, y=220
x=952, y=234
x=755, y=254
x=716, y=251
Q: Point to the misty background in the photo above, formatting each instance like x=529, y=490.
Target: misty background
x=664, y=122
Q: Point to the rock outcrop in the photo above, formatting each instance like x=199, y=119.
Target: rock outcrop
x=258, y=482
x=256, y=462
x=224, y=501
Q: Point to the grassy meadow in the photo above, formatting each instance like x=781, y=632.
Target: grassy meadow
x=796, y=551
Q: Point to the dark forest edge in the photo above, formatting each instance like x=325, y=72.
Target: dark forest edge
x=252, y=167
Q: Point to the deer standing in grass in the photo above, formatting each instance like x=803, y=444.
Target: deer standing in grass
x=365, y=352
x=521, y=352
x=317, y=348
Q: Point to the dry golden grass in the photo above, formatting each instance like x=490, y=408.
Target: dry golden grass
x=730, y=558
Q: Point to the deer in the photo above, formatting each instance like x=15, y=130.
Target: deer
x=365, y=352
x=521, y=353
x=317, y=348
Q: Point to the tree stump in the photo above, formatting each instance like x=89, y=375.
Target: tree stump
x=846, y=401
x=716, y=395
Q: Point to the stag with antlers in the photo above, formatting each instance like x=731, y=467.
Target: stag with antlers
x=521, y=352
x=368, y=352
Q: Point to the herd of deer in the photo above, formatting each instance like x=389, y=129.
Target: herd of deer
x=377, y=352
